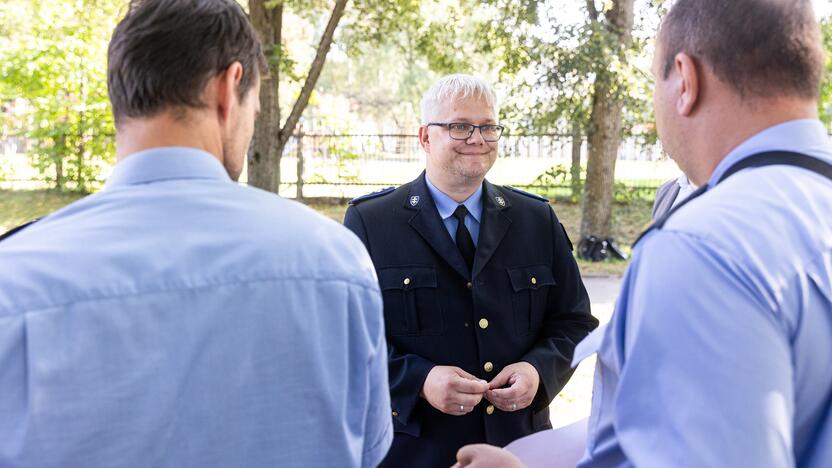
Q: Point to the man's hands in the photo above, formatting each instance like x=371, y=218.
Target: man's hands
x=486, y=456
x=454, y=391
x=451, y=390
x=523, y=381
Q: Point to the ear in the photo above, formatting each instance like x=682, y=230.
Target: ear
x=228, y=82
x=687, y=71
x=424, y=138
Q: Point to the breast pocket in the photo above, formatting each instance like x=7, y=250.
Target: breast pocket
x=530, y=285
x=411, y=302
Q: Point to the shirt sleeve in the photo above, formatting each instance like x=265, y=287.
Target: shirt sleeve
x=706, y=376
x=378, y=434
x=407, y=372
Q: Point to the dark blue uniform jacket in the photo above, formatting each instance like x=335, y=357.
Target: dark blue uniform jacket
x=525, y=284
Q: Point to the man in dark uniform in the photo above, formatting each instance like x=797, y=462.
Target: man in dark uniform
x=482, y=316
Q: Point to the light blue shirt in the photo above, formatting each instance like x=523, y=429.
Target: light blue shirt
x=447, y=205
x=178, y=319
x=717, y=354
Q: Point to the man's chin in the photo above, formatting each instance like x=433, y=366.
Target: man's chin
x=473, y=173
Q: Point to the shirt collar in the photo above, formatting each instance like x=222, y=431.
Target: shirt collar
x=447, y=205
x=806, y=136
x=166, y=163
x=683, y=182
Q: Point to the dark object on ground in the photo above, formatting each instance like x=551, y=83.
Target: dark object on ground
x=594, y=249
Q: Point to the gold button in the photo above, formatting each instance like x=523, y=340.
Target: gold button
x=406, y=281
x=534, y=280
x=469, y=285
x=483, y=323
x=489, y=409
x=488, y=366
x=395, y=413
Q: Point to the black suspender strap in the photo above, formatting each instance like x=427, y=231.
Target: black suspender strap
x=770, y=158
x=782, y=158
x=15, y=230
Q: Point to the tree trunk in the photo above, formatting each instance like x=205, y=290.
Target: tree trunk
x=577, y=141
x=59, y=169
x=604, y=133
x=264, y=154
x=269, y=139
x=299, y=195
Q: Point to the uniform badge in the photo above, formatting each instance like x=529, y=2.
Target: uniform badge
x=500, y=201
x=414, y=200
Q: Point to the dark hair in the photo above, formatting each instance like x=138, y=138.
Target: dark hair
x=758, y=47
x=163, y=53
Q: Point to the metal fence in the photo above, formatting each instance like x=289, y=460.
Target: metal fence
x=316, y=165
x=345, y=166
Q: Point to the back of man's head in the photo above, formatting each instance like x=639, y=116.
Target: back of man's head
x=760, y=48
x=163, y=53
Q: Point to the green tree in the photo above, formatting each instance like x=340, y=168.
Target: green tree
x=579, y=79
x=434, y=35
x=271, y=132
x=825, y=102
x=53, y=58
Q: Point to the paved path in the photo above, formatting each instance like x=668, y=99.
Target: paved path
x=574, y=401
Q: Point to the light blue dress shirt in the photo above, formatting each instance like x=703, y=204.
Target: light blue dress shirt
x=717, y=354
x=447, y=205
x=179, y=319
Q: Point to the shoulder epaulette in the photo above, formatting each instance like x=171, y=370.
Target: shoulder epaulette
x=530, y=195
x=369, y=196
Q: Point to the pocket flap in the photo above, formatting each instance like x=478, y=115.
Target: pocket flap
x=530, y=277
x=411, y=277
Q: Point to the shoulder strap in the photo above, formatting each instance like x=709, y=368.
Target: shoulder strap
x=370, y=196
x=783, y=158
x=15, y=230
x=769, y=158
x=525, y=193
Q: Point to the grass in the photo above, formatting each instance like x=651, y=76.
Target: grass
x=20, y=206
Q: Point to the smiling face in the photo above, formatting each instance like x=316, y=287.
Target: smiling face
x=459, y=162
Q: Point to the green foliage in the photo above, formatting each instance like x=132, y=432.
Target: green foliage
x=825, y=102
x=552, y=65
x=395, y=49
x=53, y=71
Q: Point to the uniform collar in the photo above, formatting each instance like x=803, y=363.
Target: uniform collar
x=806, y=136
x=447, y=205
x=166, y=163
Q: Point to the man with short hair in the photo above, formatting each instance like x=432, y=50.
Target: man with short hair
x=177, y=318
x=483, y=301
x=716, y=354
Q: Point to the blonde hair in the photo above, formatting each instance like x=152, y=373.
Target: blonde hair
x=456, y=87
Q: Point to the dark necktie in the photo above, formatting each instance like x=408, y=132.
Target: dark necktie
x=463, y=238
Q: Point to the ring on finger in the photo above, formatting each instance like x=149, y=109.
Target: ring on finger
x=514, y=406
x=462, y=408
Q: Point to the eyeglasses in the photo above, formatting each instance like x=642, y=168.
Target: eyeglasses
x=463, y=131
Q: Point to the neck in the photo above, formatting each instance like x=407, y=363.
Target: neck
x=458, y=190
x=730, y=126
x=163, y=130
